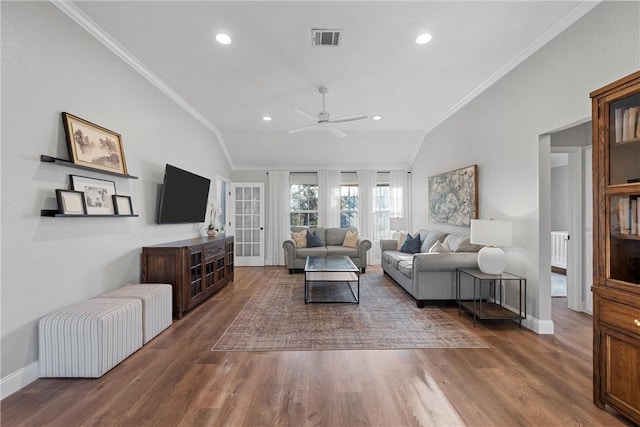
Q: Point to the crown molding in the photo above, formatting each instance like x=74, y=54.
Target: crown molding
x=99, y=33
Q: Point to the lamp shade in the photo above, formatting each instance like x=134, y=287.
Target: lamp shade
x=398, y=223
x=491, y=232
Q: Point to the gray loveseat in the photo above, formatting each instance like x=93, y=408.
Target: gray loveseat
x=430, y=277
x=332, y=239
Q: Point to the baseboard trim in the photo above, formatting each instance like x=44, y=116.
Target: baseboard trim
x=541, y=327
x=19, y=379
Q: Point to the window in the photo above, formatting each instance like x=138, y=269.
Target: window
x=303, y=205
x=349, y=206
x=382, y=212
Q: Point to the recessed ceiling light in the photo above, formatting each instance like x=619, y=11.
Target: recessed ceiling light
x=223, y=38
x=266, y=118
x=423, y=38
x=376, y=118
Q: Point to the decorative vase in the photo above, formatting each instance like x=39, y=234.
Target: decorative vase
x=212, y=233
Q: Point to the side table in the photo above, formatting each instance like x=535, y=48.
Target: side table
x=492, y=308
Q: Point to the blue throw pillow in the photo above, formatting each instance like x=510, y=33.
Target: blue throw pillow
x=313, y=240
x=411, y=245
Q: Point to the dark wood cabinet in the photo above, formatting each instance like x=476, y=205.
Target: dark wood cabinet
x=616, y=256
x=196, y=268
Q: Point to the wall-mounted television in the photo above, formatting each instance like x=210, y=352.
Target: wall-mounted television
x=184, y=197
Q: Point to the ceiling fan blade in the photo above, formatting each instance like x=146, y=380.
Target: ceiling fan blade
x=337, y=132
x=303, y=128
x=349, y=118
x=304, y=113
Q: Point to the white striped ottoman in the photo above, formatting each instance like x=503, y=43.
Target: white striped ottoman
x=156, y=306
x=89, y=338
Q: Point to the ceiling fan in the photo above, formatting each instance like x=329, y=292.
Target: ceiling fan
x=323, y=119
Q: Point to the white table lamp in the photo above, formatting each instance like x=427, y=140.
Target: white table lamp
x=398, y=224
x=491, y=233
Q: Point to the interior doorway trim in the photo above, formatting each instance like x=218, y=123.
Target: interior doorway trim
x=575, y=294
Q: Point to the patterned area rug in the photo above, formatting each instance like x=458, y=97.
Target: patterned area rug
x=276, y=318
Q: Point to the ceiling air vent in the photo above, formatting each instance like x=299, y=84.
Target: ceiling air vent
x=321, y=37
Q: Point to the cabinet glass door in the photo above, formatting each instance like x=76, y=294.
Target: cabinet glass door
x=624, y=189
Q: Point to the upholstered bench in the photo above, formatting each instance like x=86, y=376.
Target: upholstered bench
x=89, y=338
x=156, y=306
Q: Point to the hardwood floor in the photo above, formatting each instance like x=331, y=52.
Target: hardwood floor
x=525, y=379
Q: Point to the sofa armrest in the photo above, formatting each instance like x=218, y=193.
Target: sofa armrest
x=388, y=245
x=363, y=246
x=289, y=247
x=444, y=261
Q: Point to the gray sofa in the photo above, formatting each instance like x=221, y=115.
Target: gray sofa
x=430, y=277
x=332, y=239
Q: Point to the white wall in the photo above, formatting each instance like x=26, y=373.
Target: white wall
x=50, y=65
x=500, y=131
x=559, y=198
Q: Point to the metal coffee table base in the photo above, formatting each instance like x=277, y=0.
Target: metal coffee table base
x=329, y=270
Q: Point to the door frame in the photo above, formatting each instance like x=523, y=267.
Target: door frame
x=241, y=261
x=575, y=293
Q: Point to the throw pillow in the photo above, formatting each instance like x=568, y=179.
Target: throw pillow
x=300, y=237
x=430, y=238
x=401, y=240
x=313, y=240
x=461, y=243
x=411, y=244
x=439, y=247
x=351, y=239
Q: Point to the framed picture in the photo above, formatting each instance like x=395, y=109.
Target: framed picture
x=122, y=205
x=71, y=202
x=453, y=197
x=97, y=194
x=93, y=146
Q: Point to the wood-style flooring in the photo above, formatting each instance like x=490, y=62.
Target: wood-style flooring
x=524, y=379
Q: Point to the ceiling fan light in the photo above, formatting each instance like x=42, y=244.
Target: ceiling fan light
x=423, y=38
x=223, y=38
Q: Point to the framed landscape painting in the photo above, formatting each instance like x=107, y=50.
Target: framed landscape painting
x=453, y=197
x=93, y=146
x=97, y=194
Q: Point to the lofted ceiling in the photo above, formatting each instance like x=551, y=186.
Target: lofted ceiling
x=271, y=68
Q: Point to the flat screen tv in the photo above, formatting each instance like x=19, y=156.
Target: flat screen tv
x=184, y=197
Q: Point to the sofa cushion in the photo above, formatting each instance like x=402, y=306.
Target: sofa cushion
x=411, y=244
x=350, y=239
x=313, y=240
x=406, y=268
x=430, y=238
x=461, y=243
x=300, y=237
x=394, y=258
x=341, y=251
x=439, y=247
x=403, y=236
x=305, y=252
x=335, y=236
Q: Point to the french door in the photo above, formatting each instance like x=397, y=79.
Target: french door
x=248, y=223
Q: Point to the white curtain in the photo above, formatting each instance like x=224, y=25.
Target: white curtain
x=399, y=194
x=329, y=198
x=367, y=181
x=278, y=228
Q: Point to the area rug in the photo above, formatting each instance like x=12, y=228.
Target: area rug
x=276, y=318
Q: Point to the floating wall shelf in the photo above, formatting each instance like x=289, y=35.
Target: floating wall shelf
x=49, y=159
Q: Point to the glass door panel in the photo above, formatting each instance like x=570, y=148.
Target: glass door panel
x=249, y=220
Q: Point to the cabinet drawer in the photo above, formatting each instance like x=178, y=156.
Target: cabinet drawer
x=213, y=250
x=622, y=316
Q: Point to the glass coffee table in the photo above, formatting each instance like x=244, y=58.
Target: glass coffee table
x=327, y=272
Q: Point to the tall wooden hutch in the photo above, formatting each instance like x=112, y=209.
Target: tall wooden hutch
x=616, y=259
